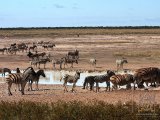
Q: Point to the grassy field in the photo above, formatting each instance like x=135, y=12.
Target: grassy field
x=55, y=32
x=74, y=110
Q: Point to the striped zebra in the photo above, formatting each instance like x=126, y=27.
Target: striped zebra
x=147, y=75
x=125, y=79
x=19, y=78
x=93, y=62
x=70, y=79
x=103, y=78
x=120, y=62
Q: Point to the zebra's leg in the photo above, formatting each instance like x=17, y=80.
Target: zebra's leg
x=74, y=85
x=9, y=88
x=65, y=87
x=108, y=86
x=23, y=86
x=37, y=85
x=97, y=87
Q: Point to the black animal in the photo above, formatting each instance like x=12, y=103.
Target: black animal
x=89, y=80
x=3, y=50
x=35, y=78
x=4, y=70
x=73, y=54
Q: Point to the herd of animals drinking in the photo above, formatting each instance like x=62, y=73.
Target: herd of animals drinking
x=138, y=78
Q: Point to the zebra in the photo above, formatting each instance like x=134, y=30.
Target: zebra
x=70, y=79
x=19, y=78
x=120, y=62
x=103, y=78
x=93, y=62
x=35, y=78
x=88, y=80
x=125, y=79
x=60, y=62
x=150, y=74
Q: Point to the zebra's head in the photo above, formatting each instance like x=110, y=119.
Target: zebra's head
x=110, y=73
x=41, y=72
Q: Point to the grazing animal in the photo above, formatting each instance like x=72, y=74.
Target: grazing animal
x=3, y=50
x=70, y=79
x=35, y=78
x=73, y=54
x=70, y=61
x=93, y=62
x=32, y=48
x=19, y=78
x=43, y=61
x=51, y=45
x=59, y=62
x=150, y=74
x=120, y=62
x=89, y=80
x=4, y=70
x=103, y=78
x=125, y=79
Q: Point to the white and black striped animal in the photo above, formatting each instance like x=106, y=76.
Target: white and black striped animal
x=147, y=75
x=58, y=62
x=35, y=78
x=120, y=62
x=120, y=80
x=70, y=79
x=19, y=78
x=93, y=62
x=103, y=78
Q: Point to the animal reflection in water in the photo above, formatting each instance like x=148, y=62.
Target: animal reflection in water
x=70, y=79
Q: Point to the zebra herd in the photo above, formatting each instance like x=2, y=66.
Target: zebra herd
x=138, y=78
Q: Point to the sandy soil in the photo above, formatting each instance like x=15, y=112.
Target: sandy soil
x=101, y=47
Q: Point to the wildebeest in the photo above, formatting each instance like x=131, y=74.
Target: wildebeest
x=43, y=61
x=70, y=79
x=3, y=50
x=103, y=78
x=150, y=74
x=69, y=61
x=51, y=45
x=35, y=55
x=4, y=70
x=125, y=79
x=35, y=78
x=74, y=54
x=19, y=78
x=89, y=80
x=120, y=62
x=32, y=48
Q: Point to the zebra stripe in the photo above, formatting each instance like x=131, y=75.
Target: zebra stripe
x=150, y=74
x=121, y=80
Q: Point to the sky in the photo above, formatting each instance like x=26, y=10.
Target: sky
x=77, y=13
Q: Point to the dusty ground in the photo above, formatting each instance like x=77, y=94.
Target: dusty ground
x=140, y=51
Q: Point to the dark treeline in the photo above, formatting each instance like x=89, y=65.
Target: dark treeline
x=84, y=27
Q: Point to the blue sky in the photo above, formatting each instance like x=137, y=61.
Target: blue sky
x=70, y=13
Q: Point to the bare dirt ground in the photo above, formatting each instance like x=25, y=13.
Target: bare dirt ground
x=140, y=51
